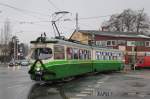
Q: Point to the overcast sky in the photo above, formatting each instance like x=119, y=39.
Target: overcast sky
x=29, y=17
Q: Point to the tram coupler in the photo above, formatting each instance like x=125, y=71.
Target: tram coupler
x=38, y=75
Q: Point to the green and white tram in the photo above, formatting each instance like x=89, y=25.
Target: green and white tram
x=56, y=59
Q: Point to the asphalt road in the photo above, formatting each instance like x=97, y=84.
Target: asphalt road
x=15, y=83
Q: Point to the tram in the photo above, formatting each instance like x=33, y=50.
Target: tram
x=56, y=59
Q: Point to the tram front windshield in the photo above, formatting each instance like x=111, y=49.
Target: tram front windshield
x=42, y=53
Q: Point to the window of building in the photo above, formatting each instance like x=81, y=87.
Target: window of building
x=135, y=43
x=111, y=43
x=121, y=42
x=139, y=43
x=130, y=43
x=59, y=52
x=101, y=43
x=147, y=43
x=108, y=43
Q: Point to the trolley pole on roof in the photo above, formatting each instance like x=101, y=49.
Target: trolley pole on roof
x=55, y=26
x=56, y=17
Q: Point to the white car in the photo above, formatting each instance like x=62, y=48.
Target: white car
x=24, y=63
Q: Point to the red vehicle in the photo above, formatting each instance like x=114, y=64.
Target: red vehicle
x=144, y=62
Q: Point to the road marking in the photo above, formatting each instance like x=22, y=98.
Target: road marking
x=85, y=92
x=97, y=85
x=75, y=98
x=100, y=82
x=16, y=86
x=81, y=95
x=89, y=89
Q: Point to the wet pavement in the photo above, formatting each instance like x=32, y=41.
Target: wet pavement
x=15, y=83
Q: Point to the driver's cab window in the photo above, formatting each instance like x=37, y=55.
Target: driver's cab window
x=42, y=53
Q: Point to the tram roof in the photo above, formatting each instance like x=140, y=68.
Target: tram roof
x=71, y=44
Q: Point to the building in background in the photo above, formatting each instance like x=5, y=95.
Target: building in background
x=22, y=51
x=4, y=53
x=18, y=50
x=135, y=46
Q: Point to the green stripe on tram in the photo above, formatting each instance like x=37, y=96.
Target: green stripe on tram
x=63, y=62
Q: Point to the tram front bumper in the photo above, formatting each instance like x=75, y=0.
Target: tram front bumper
x=38, y=75
x=44, y=75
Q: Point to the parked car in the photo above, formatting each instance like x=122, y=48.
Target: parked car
x=18, y=62
x=13, y=63
x=24, y=63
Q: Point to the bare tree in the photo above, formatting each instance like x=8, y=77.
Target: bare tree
x=5, y=39
x=7, y=31
x=128, y=21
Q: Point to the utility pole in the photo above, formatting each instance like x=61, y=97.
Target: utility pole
x=1, y=39
x=17, y=47
x=14, y=40
x=77, y=24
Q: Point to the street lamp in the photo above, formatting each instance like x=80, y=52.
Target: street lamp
x=15, y=42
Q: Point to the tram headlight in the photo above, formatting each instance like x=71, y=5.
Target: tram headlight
x=37, y=68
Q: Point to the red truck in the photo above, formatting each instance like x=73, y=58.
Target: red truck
x=144, y=62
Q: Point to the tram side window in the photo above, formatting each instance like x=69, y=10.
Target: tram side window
x=69, y=53
x=119, y=56
x=97, y=55
x=81, y=54
x=109, y=56
x=89, y=54
x=115, y=56
x=86, y=54
x=75, y=53
x=59, y=52
x=104, y=56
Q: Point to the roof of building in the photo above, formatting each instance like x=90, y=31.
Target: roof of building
x=114, y=34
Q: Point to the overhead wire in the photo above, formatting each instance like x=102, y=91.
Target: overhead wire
x=32, y=13
x=20, y=9
x=50, y=2
x=86, y=18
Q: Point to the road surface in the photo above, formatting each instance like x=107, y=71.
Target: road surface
x=15, y=83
